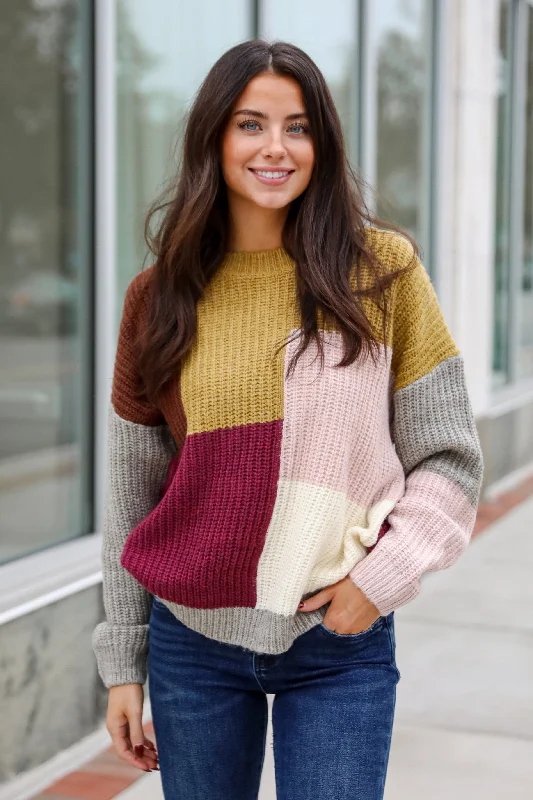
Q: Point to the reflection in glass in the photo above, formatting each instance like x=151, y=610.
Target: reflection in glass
x=398, y=72
x=503, y=167
x=44, y=273
x=330, y=39
x=162, y=59
x=525, y=354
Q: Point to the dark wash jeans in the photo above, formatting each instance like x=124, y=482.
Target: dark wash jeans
x=332, y=713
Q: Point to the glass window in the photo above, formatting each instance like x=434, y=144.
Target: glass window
x=45, y=297
x=162, y=58
x=503, y=171
x=330, y=40
x=525, y=288
x=397, y=42
x=513, y=260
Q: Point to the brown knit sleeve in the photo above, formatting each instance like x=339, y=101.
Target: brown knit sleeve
x=126, y=378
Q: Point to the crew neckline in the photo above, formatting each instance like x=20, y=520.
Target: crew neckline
x=258, y=262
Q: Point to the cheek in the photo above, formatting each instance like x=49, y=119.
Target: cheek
x=236, y=152
x=310, y=159
x=228, y=155
x=307, y=162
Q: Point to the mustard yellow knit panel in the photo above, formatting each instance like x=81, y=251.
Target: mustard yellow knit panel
x=416, y=328
x=231, y=376
x=421, y=339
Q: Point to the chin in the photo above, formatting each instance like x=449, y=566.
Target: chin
x=271, y=202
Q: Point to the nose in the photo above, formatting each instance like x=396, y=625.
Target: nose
x=273, y=147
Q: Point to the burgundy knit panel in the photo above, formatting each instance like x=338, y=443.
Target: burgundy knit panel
x=202, y=543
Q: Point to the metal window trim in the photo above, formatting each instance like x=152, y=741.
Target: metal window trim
x=436, y=55
x=516, y=186
x=359, y=82
x=367, y=109
x=87, y=216
x=39, y=579
x=506, y=171
x=509, y=398
x=105, y=260
x=255, y=15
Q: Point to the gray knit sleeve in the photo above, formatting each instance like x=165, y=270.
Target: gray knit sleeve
x=138, y=460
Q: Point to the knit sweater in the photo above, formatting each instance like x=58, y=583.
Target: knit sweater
x=246, y=491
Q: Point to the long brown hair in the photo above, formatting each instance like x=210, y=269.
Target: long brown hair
x=324, y=231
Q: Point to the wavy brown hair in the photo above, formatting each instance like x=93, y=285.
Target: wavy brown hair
x=324, y=231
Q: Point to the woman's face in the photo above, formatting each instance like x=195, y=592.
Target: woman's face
x=267, y=150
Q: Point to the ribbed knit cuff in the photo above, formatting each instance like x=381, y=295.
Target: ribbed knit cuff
x=121, y=653
x=382, y=580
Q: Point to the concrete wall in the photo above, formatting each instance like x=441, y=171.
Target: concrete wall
x=50, y=693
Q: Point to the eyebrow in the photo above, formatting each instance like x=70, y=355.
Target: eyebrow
x=260, y=114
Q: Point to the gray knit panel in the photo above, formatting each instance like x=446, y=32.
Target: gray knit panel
x=434, y=427
x=138, y=459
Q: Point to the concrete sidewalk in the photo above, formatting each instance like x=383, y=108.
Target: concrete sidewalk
x=464, y=722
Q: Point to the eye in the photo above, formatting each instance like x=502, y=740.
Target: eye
x=247, y=122
x=302, y=125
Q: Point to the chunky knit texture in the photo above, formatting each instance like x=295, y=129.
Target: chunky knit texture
x=246, y=491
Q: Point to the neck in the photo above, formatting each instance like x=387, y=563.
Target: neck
x=252, y=227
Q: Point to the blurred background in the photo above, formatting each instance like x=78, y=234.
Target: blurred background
x=436, y=101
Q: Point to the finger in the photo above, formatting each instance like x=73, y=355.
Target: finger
x=141, y=754
x=141, y=751
x=151, y=756
x=148, y=758
x=142, y=747
x=127, y=751
x=149, y=744
x=151, y=760
x=136, y=733
x=317, y=600
x=122, y=747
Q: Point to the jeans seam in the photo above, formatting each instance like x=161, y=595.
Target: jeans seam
x=392, y=644
x=263, y=739
x=256, y=676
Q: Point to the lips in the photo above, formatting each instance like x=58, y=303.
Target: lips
x=272, y=177
x=270, y=171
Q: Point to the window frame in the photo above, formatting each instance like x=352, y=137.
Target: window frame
x=47, y=575
x=85, y=221
x=515, y=125
x=431, y=142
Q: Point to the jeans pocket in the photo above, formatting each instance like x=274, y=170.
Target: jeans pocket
x=378, y=623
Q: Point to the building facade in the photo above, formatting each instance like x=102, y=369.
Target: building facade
x=436, y=102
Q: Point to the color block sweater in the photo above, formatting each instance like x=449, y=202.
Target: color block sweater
x=246, y=491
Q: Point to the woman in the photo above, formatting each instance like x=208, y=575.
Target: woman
x=268, y=510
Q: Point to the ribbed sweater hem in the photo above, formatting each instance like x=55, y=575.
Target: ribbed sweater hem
x=254, y=629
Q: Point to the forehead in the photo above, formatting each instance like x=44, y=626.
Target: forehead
x=274, y=91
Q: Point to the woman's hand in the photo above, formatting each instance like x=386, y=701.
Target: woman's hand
x=124, y=723
x=350, y=610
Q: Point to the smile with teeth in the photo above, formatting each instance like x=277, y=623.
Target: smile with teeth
x=278, y=174
x=272, y=176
